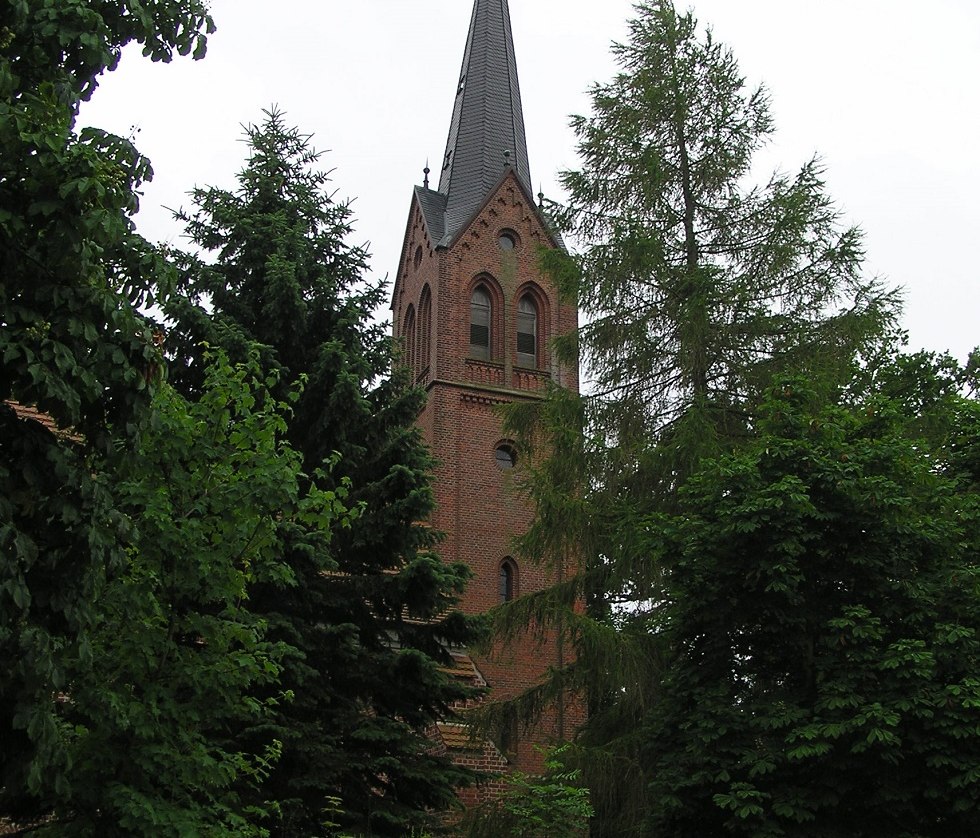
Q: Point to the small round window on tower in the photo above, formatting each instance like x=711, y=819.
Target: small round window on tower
x=507, y=240
x=506, y=456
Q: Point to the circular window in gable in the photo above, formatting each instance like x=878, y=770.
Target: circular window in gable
x=505, y=455
x=507, y=240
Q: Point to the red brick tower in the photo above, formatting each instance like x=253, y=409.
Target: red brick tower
x=475, y=316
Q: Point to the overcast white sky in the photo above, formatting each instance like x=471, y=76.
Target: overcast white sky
x=885, y=91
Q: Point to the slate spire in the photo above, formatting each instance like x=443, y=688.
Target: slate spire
x=487, y=117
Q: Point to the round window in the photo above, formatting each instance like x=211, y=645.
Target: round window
x=506, y=456
x=507, y=240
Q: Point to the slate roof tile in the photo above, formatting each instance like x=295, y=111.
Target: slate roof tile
x=487, y=121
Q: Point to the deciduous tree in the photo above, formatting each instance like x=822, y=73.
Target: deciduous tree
x=823, y=628
x=73, y=275
x=179, y=658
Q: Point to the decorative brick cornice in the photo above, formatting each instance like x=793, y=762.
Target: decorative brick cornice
x=483, y=398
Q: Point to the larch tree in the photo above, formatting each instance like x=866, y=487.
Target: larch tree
x=370, y=620
x=696, y=285
x=696, y=288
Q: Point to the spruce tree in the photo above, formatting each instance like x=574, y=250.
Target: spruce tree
x=370, y=620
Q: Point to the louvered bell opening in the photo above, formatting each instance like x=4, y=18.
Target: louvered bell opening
x=480, y=325
x=527, y=333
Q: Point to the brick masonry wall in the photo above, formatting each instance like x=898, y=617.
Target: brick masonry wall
x=479, y=506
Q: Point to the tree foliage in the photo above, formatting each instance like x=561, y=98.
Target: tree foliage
x=179, y=658
x=822, y=621
x=368, y=637
x=698, y=284
x=938, y=398
x=140, y=536
x=554, y=803
x=72, y=277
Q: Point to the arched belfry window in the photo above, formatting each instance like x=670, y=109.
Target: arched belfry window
x=527, y=332
x=508, y=580
x=480, y=324
x=425, y=330
x=408, y=336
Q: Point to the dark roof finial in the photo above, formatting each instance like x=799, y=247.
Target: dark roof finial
x=506, y=158
x=425, y=172
x=540, y=196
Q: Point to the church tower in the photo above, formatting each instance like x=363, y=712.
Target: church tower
x=475, y=317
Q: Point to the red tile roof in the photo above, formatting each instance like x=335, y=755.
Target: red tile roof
x=459, y=737
x=22, y=411
x=28, y=413
x=463, y=669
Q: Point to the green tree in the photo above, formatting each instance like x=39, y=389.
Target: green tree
x=73, y=276
x=179, y=658
x=938, y=398
x=370, y=636
x=696, y=288
x=824, y=632
x=555, y=803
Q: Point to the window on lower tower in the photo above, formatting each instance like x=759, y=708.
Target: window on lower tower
x=508, y=580
x=480, y=324
x=527, y=332
x=508, y=738
x=505, y=455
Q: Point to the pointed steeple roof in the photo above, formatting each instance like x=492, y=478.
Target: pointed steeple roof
x=487, y=129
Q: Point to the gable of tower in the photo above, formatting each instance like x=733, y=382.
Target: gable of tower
x=497, y=252
x=416, y=286
x=508, y=198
